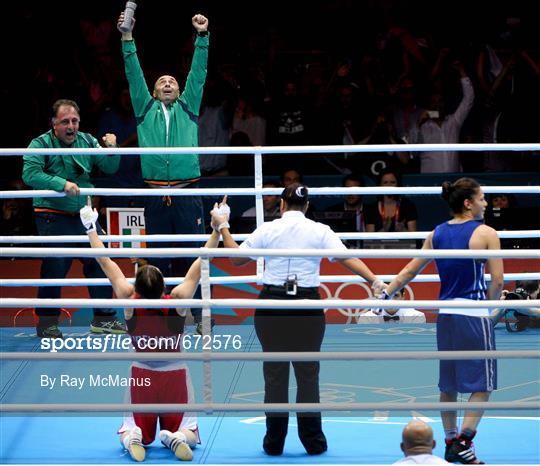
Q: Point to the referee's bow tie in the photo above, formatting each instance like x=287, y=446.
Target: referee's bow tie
x=387, y=318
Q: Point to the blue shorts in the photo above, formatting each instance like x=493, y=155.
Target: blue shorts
x=464, y=333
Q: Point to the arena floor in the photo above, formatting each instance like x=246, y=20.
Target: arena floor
x=503, y=437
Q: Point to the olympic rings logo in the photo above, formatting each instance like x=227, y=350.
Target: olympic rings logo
x=353, y=314
x=332, y=395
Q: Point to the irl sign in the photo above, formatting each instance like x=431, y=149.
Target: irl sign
x=126, y=221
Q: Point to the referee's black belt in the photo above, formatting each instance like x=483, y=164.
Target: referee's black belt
x=281, y=289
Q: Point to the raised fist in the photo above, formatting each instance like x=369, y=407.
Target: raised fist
x=89, y=218
x=378, y=286
x=222, y=209
x=109, y=140
x=220, y=214
x=200, y=23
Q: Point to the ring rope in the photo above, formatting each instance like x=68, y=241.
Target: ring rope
x=264, y=303
x=244, y=279
x=226, y=252
x=326, y=191
x=273, y=356
x=209, y=408
x=269, y=150
x=503, y=234
x=16, y=282
x=208, y=303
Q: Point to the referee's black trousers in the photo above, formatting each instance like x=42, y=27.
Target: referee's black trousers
x=291, y=331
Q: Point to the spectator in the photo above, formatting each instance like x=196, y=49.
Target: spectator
x=97, y=68
x=529, y=317
x=290, y=176
x=236, y=164
x=59, y=215
x=270, y=203
x=391, y=213
x=248, y=120
x=401, y=315
x=289, y=125
x=352, y=202
x=214, y=128
x=119, y=119
x=417, y=444
x=505, y=213
x=436, y=125
x=380, y=132
x=532, y=289
x=16, y=218
x=406, y=112
x=14, y=222
x=508, y=80
x=96, y=34
x=502, y=212
x=503, y=201
x=168, y=118
x=495, y=72
x=344, y=123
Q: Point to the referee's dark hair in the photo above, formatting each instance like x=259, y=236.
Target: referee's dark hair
x=295, y=196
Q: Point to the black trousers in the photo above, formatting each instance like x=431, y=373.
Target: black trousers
x=291, y=330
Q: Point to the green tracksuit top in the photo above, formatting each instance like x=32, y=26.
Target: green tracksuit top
x=183, y=117
x=52, y=171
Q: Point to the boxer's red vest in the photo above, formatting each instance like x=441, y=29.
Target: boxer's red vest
x=150, y=326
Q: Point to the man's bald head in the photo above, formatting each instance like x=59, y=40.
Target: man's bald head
x=166, y=89
x=417, y=439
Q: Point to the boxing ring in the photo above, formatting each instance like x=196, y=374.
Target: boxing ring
x=374, y=378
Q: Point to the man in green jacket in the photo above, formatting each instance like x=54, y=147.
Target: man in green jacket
x=166, y=118
x=60, y=215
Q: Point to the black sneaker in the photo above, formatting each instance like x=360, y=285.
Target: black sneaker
x=460, y=450
x=51, y=331
x=108, y=326
x=273, y=447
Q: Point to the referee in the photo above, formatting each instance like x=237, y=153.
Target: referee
x=292, y=329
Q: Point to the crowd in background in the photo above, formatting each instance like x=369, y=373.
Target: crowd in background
x=342, y=72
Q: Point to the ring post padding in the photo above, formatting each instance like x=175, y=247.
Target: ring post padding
x=206, y=295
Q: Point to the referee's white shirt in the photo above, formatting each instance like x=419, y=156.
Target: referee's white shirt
x=292, y=231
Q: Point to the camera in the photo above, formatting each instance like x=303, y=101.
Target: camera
x=518, y=293
x=513, y=319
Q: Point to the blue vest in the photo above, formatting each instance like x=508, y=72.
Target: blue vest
x=460, y=278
